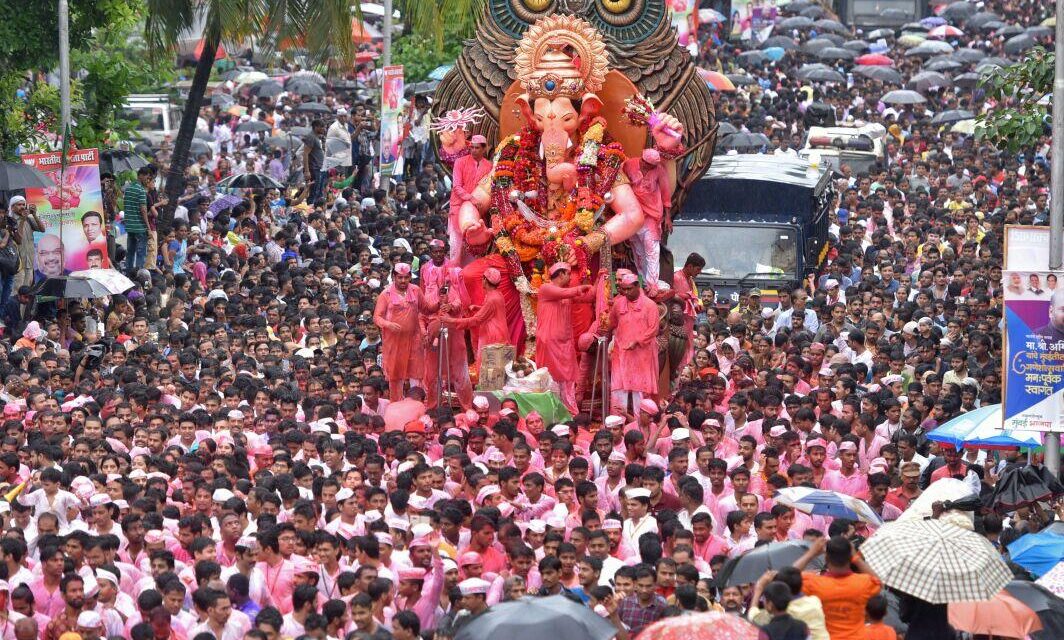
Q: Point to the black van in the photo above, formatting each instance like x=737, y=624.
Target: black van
x=760, y=221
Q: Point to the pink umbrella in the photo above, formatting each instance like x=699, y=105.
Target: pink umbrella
x=945, y=31
x=713, y=625
x=874, y=60
x=398, y=413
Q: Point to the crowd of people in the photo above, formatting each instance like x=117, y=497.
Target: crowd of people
x=215, y=453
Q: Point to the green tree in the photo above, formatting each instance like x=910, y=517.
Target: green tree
x=443, y=23
x=419, y=56
x=323, y=26
x=1020, y=119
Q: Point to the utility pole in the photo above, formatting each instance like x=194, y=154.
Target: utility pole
x=64, y=66
x=387, y=58
x=1056, y=208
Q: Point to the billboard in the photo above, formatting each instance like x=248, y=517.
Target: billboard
x=1033, y=360
x=75, y=233
x=391, y=119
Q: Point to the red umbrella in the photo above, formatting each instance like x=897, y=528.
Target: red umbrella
x=945, y=31
x=713, y=625
x=874, y=60
x=218, y=55
x=717, y=80
x=363, y=57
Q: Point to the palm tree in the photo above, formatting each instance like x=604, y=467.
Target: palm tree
x=324, y=26
x=431, y=18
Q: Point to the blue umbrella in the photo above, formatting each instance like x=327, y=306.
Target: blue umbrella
x=933, y=21
x=1038, y=552
x=821, y=502
x=439, y=72
x=226, y=201
x=774, y=53
x=982, y=429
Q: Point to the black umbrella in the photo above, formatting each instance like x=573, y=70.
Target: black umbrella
x=305, y=88
x=72, y=287
x=745, y=142
x=824, y=75
x=857, y=46
x=751, y=58
x=144, y=148
x=796, y=7
x=836, y=53
x=815, y=45
x=198, y=147
x=1022, y=486
x=1009, y=30
x=119, y=160
x=835, y=38
x=313, y=107
x=913, y=27
x=15, y=176
x=806, y=69
x=250, y=181
x=740, y=80
x=537, y=618
x=1019, y=44
x=967, y=80
x=968, y=54
x=222, y=100
x=1045, y=603
x=797, y=22
x=958, y=11
x=979, y=19
x=830, y=25
x=750, y=566
x=1038, y=31
x=813, y=12
x=952, y=115
x=992, y=61
x=885, y=75
x=284, y=141
x=266, y=89
x=301, y=132
x=942, y=64
x=887, y=34
x=253, y=126
x=725, y=129
x=993, y=25
x=928, y=80
x=782, y=42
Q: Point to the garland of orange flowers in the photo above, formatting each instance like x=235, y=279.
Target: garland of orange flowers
x=519, y=168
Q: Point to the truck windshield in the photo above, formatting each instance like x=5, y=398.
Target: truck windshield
x=734, y=252
x=144, y=117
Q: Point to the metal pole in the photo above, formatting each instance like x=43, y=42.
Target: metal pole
x=387, y=57
x=1056, y=204
x=64, y=66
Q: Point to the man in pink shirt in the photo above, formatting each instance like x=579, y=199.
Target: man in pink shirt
x=468, y=172
x=848, y=479
x=278, y=572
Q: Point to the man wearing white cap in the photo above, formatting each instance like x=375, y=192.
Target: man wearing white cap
x=468, y=172
x=639, y=520
x=28, y=223
x=474, y=595
x=339, y=133
x=89, y=625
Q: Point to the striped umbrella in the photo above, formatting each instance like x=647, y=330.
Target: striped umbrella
x=821, y=502
x=936, y=561
x=717, y=80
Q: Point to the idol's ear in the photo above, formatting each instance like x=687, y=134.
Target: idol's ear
x=525, y=107
x=590, y=105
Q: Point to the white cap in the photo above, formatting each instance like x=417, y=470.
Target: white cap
x=474, y=586
x=910, y=327
x=480, y=402
x=99, y=500
x=613, y=421
x=89, y=620
x=221, y=495
x=137, y=474
x=341, y=111
x=561, y=430
x=236, y=414
x=638, y=492
x=344, y=494
x=680, y=434
x=104, y=574
x=16, y=200
x=537, y=526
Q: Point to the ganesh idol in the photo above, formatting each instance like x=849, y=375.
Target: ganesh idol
x=556, y=191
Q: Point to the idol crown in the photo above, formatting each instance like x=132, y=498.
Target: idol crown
x=561, y=56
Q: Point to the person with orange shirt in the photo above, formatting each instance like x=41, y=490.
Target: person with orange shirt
x=842, y=592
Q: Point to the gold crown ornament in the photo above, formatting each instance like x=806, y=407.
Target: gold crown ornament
x=561, y=56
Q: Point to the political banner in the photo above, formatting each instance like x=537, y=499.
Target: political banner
x=75, y=235
x=391, y=119
x=1033, y=364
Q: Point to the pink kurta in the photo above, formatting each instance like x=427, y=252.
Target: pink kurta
x=653, y=191
x=634, y=355
x=401, y=346
x=432, y=276
x=467, y=174
x=685, y=290
x=458, y=371
x=490, y=320
x=555, y=344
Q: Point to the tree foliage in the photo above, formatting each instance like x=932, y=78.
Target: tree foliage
x=1024, y=110
x=419, y=56
x=438, y=25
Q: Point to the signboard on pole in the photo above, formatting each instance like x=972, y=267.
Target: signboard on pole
x=1033, y=375
x=391, y=125
x=75, y=235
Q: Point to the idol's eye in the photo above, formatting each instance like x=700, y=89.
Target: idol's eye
x=537, y=5
x=514, y=16
x=616, y=6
